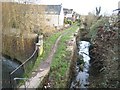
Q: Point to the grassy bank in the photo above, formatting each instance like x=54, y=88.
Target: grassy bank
x=60, y=55
x=48, y=43
x=61, y=61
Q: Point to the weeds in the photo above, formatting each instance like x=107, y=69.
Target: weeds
x=60, y=64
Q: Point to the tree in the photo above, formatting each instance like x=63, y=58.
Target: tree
x=98, y=10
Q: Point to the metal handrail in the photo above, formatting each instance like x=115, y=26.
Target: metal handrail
x=24, y=62
x=21, y=79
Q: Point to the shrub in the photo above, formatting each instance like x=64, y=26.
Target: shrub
x=70, y=22
x=67, y=21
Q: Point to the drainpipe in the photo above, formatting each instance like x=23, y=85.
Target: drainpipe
x=58, y=20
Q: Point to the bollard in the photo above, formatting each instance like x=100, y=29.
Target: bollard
x=39, y=45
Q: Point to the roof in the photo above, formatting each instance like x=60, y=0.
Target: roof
x=67, y=11
x=117, y=9
x=53, y=9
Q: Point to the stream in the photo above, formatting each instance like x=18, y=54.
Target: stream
x=8, y=66
x=82, y=75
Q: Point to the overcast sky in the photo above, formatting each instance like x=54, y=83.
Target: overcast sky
x=81, y=6
x=85, y=6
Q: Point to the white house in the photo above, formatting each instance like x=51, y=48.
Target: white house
x=70, y=14
x=54, y=15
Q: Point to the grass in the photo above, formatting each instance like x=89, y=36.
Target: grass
x=48, y=43
x=60, y=63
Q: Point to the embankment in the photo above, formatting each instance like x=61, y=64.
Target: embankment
x=17, y=47
x=104, y=53
x=63, y=63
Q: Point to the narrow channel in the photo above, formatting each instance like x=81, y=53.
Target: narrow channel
x=82, y=67
x=8, y=66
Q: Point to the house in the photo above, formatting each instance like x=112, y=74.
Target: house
x=54, y=15
x=70, y=14
x=119, y=14
x=118, y=19
x=119, y=7
x=77, y=16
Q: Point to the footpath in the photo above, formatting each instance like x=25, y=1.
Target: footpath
x=43, y=70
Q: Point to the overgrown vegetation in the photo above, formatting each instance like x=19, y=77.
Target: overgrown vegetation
x=94, y=28
x=67, y=21
x=104, y=54
x=105, y=58
x=21, y=24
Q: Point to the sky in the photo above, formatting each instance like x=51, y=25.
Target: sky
x=85, y=6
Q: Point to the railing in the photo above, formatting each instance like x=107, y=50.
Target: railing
x=35, y=51
x=20, y=79
x=24, y=62
x=13, y=82
x=37, y=47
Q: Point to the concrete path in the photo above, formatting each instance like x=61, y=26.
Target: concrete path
x=43, y=70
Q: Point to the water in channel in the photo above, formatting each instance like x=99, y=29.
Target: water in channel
x=82, y=75
x=7, y=67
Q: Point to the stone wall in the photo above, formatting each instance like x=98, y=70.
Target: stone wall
x=18, y=47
